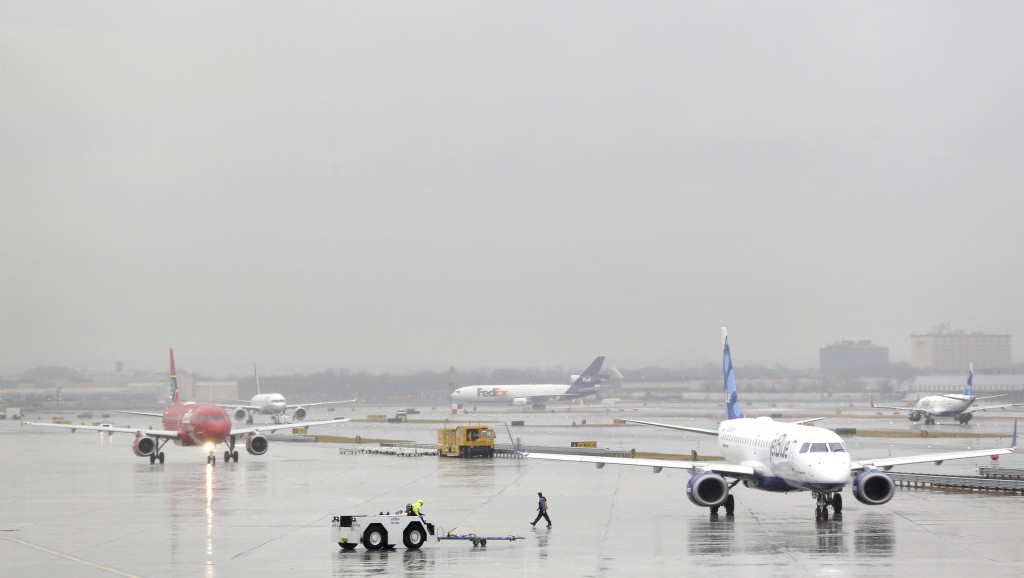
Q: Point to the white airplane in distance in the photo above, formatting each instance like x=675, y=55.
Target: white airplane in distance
x=952, y=404
x=535, y=394
x=273, y=404
x=779, y=457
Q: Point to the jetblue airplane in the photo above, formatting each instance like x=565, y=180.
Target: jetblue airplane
x=535, y=394
x=958, y=405
x=779, y=457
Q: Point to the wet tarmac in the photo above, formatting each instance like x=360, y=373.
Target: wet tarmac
x=83, y=505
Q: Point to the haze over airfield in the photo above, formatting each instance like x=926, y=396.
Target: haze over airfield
x=399, y=186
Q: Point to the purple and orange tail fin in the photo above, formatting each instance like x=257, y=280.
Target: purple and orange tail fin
x=174, y=380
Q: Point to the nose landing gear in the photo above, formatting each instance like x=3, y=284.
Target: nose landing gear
x=826, y=499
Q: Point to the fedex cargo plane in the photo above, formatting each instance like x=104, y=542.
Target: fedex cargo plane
x=535, y=394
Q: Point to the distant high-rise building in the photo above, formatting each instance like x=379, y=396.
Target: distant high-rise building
x=955, y=350
x=853, y=358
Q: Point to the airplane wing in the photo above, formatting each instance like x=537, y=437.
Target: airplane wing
x=293, y=406
x=991, y=407
x=724, y=469
x=888, y=463
x=274, y=427
x=148, y=413
x=904, y=408
x=156, y=433
x=239, y=406
x=700, y=430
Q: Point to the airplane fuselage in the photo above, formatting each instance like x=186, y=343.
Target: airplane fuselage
x=786, y=456
x=511, y=394
x=945, y=405
x=269, y=403
x=197, y=423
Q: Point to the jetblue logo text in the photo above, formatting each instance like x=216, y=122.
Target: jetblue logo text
x=491, y=392
x=779, y=448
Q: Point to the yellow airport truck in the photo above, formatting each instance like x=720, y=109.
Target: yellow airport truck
x=466, y=441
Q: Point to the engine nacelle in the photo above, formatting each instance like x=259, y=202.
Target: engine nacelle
x=241, y=414
x=520, y=401
x=914, y=416
x=144, y=446
x=873, y=488
x=300, y=413
x=256, y=444
x=707, y=489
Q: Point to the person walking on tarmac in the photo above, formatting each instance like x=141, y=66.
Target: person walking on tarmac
x=416, y=508
x=542, y=510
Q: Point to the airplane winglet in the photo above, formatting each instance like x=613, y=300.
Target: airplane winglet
x=1013, y=442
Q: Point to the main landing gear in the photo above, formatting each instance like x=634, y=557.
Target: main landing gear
x=230, y=453
x=730, y=506
x=158, y=454
x=826, y=499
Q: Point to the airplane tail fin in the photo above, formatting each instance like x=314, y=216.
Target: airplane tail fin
x=970, y=381
x=732, y=405
x=1013, y=444
x=174, y=380
x=257, y=376
x=590, y=378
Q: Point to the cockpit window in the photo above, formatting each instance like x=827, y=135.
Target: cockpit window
x=821, y=447
x=836, y=447
x=804, y=448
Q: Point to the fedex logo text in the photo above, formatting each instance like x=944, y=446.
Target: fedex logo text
x=491, y=392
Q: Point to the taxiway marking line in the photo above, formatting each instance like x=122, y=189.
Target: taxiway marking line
x=69, y=557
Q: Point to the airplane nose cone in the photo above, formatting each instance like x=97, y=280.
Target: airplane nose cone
x=218, y=430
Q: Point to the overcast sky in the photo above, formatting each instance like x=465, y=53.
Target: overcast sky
x=411, y=185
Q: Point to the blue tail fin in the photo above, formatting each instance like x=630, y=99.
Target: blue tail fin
x=732, y=404
x=970, y=381
x=590, y=378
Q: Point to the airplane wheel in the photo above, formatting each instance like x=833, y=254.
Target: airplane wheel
x=227, y=456
x=234, y=456
x=152, y=458
x=414, y=537
x=161, y=457
x=730, y=505
x=375, y=537
x=714, y=510
x=837, y=503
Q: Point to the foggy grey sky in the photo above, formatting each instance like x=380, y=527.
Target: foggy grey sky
x=411, y=185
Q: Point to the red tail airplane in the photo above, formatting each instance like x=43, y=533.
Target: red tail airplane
x=192, y=424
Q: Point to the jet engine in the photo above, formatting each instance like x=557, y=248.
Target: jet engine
x=707, y=489
x=241, y=414
x=300, y=413
x=256, y=444
x=873, y=488
x=520, y=401
x=914, y=416
x=144, y=446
